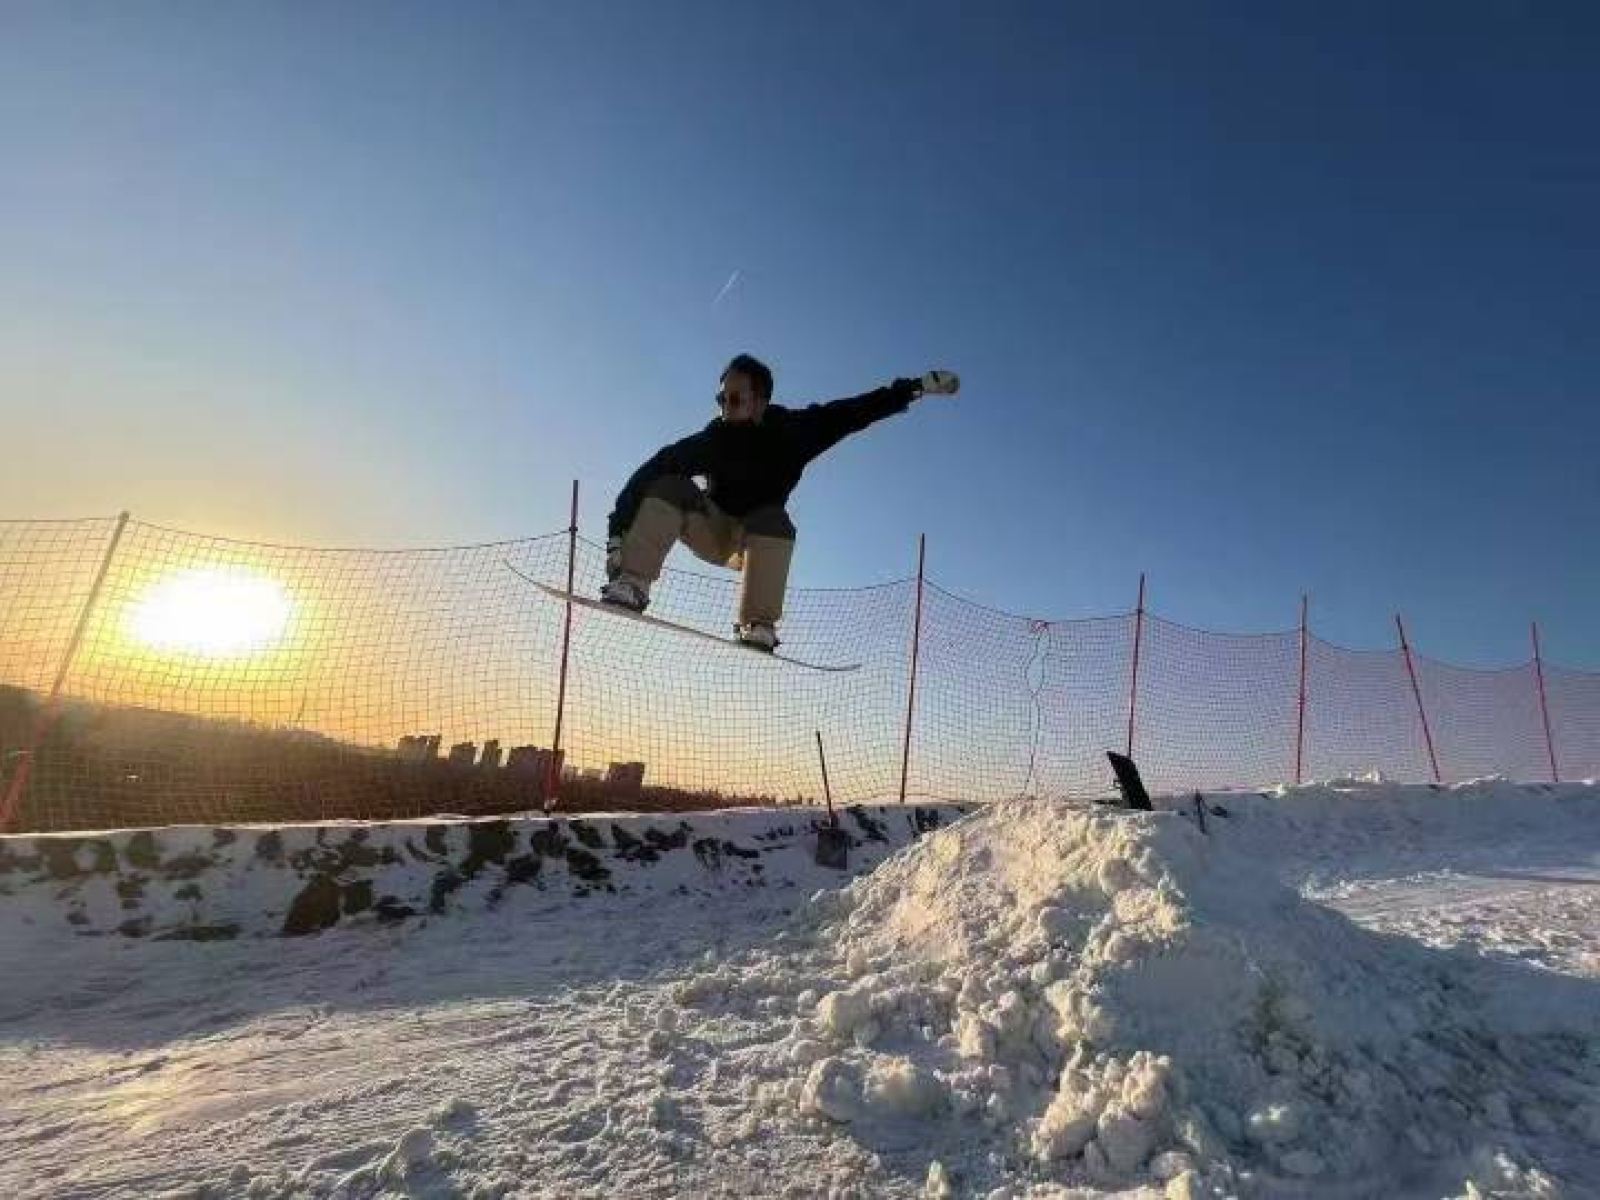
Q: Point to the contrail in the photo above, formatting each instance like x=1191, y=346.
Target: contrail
x=727, y=287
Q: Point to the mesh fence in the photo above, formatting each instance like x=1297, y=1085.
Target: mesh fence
x=1574, y=698
x=1361, y=715
x=1007, y=705
x=209, y=680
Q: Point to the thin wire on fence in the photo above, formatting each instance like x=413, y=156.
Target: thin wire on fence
x=221, y=681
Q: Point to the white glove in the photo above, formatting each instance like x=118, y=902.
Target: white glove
x=941, y=383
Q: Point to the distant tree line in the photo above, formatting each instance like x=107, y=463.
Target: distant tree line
x=104, y=766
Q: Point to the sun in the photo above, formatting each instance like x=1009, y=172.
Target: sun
x=215, y=611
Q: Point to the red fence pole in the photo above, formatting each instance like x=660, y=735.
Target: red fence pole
x=1416, y=691
x=1138, y=639
x=552, y=784
x=1300, y=719
x=916, y=650
x=51, y=711
x=1544, y=707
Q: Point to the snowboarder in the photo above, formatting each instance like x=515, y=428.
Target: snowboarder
x=751, y=458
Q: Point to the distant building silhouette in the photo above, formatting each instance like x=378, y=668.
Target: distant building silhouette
x=491, y=755
x=463, y=754
x=625, y=776
x=420, y=747
x=533, y=761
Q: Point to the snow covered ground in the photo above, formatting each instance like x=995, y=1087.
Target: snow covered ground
x=1046, y=999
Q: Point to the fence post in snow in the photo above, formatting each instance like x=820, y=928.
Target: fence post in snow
x=11, y=805
x=916, y=648
x=1544, y=707
x=552, y=783
x=1411, y=670
x=1133, y=685
x=1300, y=715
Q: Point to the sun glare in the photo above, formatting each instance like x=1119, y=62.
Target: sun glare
x=212, y=611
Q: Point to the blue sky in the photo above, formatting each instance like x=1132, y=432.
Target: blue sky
x=1255, y=300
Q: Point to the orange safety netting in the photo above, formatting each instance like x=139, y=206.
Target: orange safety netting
x=152, y=676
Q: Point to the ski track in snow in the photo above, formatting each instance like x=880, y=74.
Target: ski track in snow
x=172, y=1064
x=621, y=1048
x=1545, y=915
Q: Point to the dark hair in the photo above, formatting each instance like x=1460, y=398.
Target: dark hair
x=760, y=374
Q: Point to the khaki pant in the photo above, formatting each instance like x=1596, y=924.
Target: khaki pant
x=759, y=544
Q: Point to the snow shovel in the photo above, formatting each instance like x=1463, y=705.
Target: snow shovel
x=833, y=843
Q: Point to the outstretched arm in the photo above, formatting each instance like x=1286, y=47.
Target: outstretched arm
x=686, y=457
x=828, y=424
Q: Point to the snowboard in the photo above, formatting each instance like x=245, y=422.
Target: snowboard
x=1132, y=787
x=645, y=619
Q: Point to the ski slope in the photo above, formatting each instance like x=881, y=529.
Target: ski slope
x=1353, y=989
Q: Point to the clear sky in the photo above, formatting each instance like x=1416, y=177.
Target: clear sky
x=1253, y=299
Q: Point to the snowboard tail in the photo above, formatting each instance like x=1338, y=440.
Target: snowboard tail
x=1132, y=787
x=628, y=614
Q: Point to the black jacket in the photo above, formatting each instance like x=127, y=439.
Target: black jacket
x=747, y=467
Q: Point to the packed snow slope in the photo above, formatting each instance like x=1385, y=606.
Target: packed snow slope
x=1045, y=999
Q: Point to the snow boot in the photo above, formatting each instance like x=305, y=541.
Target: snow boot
x=758, y=635
x=626, y=592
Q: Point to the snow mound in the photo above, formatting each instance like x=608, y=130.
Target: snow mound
x=1047, y=993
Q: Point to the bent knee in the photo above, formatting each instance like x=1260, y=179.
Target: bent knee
x=772, y=521
x=677, y=490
